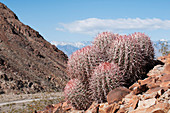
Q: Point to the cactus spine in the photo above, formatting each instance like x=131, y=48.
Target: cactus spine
x=80, y=64
x=105, y=78
x=77, y=95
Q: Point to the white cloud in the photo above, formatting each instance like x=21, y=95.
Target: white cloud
x=59, y=29
x=95, y=25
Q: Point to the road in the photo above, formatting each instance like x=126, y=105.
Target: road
x=29, y=98
x=23, y=101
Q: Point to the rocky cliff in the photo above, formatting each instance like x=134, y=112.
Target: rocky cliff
x=28, y=63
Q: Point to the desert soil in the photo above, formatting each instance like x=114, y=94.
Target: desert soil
x=28, y=103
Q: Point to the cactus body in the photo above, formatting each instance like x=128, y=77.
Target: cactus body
x=105, y=78
x=77, y=95
x=101, y=44
x=80, y=64
x=145, y=45
x=132, y=53
x=147, y=50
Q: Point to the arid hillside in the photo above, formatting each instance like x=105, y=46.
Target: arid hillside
x=28, y=63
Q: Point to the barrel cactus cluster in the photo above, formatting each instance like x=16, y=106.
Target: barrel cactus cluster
x=111, y=61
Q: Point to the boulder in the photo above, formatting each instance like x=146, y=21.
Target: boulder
x=117, y=94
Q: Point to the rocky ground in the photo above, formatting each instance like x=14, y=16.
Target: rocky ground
x=151, y=95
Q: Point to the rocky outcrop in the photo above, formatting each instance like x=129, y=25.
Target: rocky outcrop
x=28, y=63
x=151, y=95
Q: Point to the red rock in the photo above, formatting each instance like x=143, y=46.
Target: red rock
x=150, y=81
x=102, y=107
x=163, y=106
x=156, y=71
x=140, y=89
x=165, y=78
x=158, y=111
x=57, y=108
x=121, y=110
x=168, y=61
x=132, y=87
x=131, y=100
x=166, y=69
x=106, y=108
x=135, y=103
x=165, y=84
x=93, y=108
x=153, y=85
x=66, y=107
x=146, y=81
x=117, y=94
x=162, y=89
x=165, y=59
x=112, y=108
x=146, y=103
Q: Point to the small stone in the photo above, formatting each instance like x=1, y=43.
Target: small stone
x=102, y=107
x=66, y=107
x=57, y=108
x=121, y=110
x=131, y=100
x=156, y=71
x=117, y=94
x=157, y=89
x=165, y=84
x=93, y=108
x=165, y=78
x=134, y=86
x=166, y=69
x=140, y=89
x=146, y=103
x=145, y=81
x=109, y=108
x=153, y=85
x=158, y=111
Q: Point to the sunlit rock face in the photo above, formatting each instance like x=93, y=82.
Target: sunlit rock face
x=28, y=63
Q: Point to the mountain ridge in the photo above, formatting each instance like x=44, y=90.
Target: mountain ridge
x=28, y=63
x=70, y=47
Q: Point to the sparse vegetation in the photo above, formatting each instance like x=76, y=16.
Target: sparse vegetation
x=164, y=48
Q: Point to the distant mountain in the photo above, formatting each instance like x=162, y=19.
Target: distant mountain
x=28, y=63
x=70, y=47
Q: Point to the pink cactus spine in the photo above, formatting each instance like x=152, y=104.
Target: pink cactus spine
x=77, y=95
x=69, y=86
x=102, y=44
x=80, y=64
x=126, y=52
x=145, y=45
x=105, y=78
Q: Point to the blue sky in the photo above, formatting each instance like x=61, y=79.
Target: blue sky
x=82, y=20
